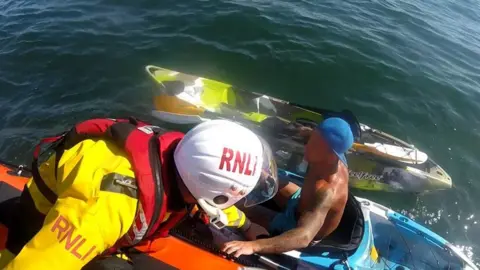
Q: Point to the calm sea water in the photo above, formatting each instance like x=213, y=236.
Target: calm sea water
x=410, y=68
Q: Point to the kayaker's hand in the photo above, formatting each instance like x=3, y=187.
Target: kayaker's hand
x=305, y=133
x=239, y=248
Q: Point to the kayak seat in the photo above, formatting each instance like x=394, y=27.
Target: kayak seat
x=348, y=235
x=173, y=88
x=343, y=242
x=230, y=110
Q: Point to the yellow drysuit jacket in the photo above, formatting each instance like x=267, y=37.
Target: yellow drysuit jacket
x=90, y=214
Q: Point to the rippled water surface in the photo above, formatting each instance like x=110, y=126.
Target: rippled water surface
x=410, y=68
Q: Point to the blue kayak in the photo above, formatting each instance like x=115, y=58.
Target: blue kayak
x=372, y=236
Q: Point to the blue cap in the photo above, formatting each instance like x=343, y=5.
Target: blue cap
x=338, y=135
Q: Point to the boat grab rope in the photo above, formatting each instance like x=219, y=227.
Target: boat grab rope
x=18, y=170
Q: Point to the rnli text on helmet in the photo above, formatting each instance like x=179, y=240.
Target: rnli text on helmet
x=242, y=162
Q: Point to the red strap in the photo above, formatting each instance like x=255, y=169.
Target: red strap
x=36, y=152
x=167, y=143
x=137, y=142
x=173, y=220
x=96, y=127
x=92, y=126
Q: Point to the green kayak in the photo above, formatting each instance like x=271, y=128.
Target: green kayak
x=377, y=161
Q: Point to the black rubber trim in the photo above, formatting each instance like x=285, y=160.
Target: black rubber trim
x=108, y=262
x=8, y=192
x=173, y=88
x=9, y=197
x=189, y=238
x=17, y=170
x=9, y=165
x=143, y=261
x=25, y=222
x=117, y=183
x=24, y=172
x=154, y=146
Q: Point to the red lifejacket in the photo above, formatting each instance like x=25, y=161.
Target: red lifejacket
x=151, y=155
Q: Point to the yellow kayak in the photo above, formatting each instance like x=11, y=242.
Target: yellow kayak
x=377, y=160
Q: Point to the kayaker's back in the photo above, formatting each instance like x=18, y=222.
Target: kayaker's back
x=338, y=185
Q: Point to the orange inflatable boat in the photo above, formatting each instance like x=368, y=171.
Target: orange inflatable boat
x=369, y=236
x=171, y=252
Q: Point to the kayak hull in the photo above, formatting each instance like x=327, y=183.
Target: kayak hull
x=388, y=164
x=394, y=241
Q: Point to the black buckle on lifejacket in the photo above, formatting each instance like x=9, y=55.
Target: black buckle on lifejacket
x=133, y=120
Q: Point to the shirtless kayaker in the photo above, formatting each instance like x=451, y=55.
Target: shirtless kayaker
x=314, y=211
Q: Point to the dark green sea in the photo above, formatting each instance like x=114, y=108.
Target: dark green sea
x=408, y=67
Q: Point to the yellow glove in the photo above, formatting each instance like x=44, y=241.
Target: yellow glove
x=236, y=218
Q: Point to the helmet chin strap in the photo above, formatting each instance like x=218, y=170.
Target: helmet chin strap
x=217, y=217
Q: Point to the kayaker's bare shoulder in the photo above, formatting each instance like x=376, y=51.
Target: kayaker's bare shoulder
x=325, y=192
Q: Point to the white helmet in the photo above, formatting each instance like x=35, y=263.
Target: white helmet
x=222, y=162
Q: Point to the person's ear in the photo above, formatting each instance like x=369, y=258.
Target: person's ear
x=315, y=148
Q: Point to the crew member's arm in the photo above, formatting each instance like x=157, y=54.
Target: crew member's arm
x=308, y=225
x=237, y=218
x=76, y=230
